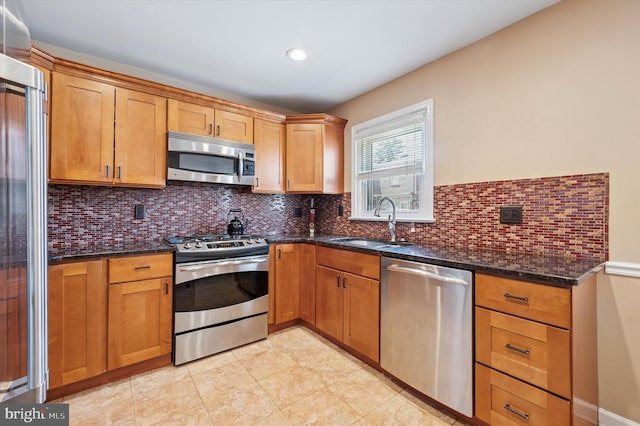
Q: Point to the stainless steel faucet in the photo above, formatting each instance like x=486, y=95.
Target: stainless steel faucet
x=392, y=220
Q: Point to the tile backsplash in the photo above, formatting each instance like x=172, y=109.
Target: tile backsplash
x=563, y=216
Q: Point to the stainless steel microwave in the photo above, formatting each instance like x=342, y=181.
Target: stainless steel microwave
x=204, y=159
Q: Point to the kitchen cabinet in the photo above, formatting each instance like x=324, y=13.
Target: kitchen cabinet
x=287, y=291
x=76, y=321
x=140, y=308
x=535, y=352
x=348, y=299
x=13, y=323
x=201, y=120
x=315, y=154
x=292, y=283
x=88, y=148
x=269, y=140
x=307, y=282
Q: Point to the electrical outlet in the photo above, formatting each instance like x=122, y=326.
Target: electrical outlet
x=511, y=215
x=340, y=210
x=140, y=211
x=297, y=212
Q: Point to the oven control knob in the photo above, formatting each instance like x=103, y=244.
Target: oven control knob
x=187, y=246
x=198, y=244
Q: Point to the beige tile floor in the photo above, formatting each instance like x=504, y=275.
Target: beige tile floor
x=295, y=377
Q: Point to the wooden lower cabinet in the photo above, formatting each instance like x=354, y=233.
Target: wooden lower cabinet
x=77, y=321
x=97, y=325
x=307, y=282
x=139, y=321
x=348, y=305
x=503, y=400
x=536, y=352
x=292, y=283
x=287, y=294
x=13, y=323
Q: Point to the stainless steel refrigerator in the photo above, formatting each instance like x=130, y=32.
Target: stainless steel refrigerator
x=23, y=228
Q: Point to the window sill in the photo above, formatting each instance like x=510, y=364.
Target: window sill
x=398, y=219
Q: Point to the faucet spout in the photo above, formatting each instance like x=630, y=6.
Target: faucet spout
x=392, y=217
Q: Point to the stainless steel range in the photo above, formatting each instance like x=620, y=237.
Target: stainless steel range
x=221, y=293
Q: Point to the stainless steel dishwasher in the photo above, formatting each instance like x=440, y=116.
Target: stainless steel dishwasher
x=426, y=335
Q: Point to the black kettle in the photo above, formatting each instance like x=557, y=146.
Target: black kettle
x=235, y=226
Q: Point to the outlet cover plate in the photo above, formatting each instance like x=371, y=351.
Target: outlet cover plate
x=511, y=215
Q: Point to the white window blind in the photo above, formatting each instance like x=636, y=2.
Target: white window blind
x=392, y=157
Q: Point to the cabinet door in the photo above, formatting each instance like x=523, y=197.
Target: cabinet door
x=362, y=315
x=13, y=324
x=141, y=139
x=233, y=127
x=287, y=290
x=82, y=133
x=77, y=322
x=190, y=118
x=329, y=301
x=270, y=144
x=139, y=321
x=304, y=157
x=307, y=280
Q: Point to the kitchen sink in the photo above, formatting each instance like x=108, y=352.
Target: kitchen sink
x=368, y=242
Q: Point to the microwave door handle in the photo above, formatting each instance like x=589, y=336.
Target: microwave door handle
x=240, y=166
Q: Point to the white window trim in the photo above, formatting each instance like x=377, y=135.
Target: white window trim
x=427, y=214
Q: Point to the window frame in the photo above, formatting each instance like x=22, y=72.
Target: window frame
x=425, y=214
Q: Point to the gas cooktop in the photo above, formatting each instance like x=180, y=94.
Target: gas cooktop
x=214, y=243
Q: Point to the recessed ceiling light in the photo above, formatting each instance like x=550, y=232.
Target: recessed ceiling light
x=296, y=54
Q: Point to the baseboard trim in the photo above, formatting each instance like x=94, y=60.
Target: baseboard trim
x=607, y=418
x=627, y=269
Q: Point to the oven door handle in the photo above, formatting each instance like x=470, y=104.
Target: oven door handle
x=200, y=266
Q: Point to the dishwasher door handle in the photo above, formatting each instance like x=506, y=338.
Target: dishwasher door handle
x=420, y=272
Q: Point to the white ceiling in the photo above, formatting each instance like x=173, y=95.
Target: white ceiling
x=239, y=46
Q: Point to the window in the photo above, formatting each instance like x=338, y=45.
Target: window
x=393, y=157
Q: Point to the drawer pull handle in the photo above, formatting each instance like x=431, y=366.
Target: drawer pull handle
x=516, y=412
x=138, y=268
x=338, y=281
x=514, y=348
x=518, y=298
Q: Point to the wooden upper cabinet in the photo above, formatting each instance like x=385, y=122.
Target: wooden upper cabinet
x=141, y=138
x=87, y=148
x=201, y=120
x=76, y=321
x=269, y=139
x=315, y=154
x=82, y=132
x=234, y=127
x=190, y=118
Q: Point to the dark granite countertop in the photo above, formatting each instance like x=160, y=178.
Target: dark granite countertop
x=82, y=252
x=555, y=271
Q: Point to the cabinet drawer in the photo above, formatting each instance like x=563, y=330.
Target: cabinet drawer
x=124, y=269
x=503, y=400
x=550, y=305
x=367, y=265
x=534, y=352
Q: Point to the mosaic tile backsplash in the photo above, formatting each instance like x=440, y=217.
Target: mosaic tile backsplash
x=562, y=216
